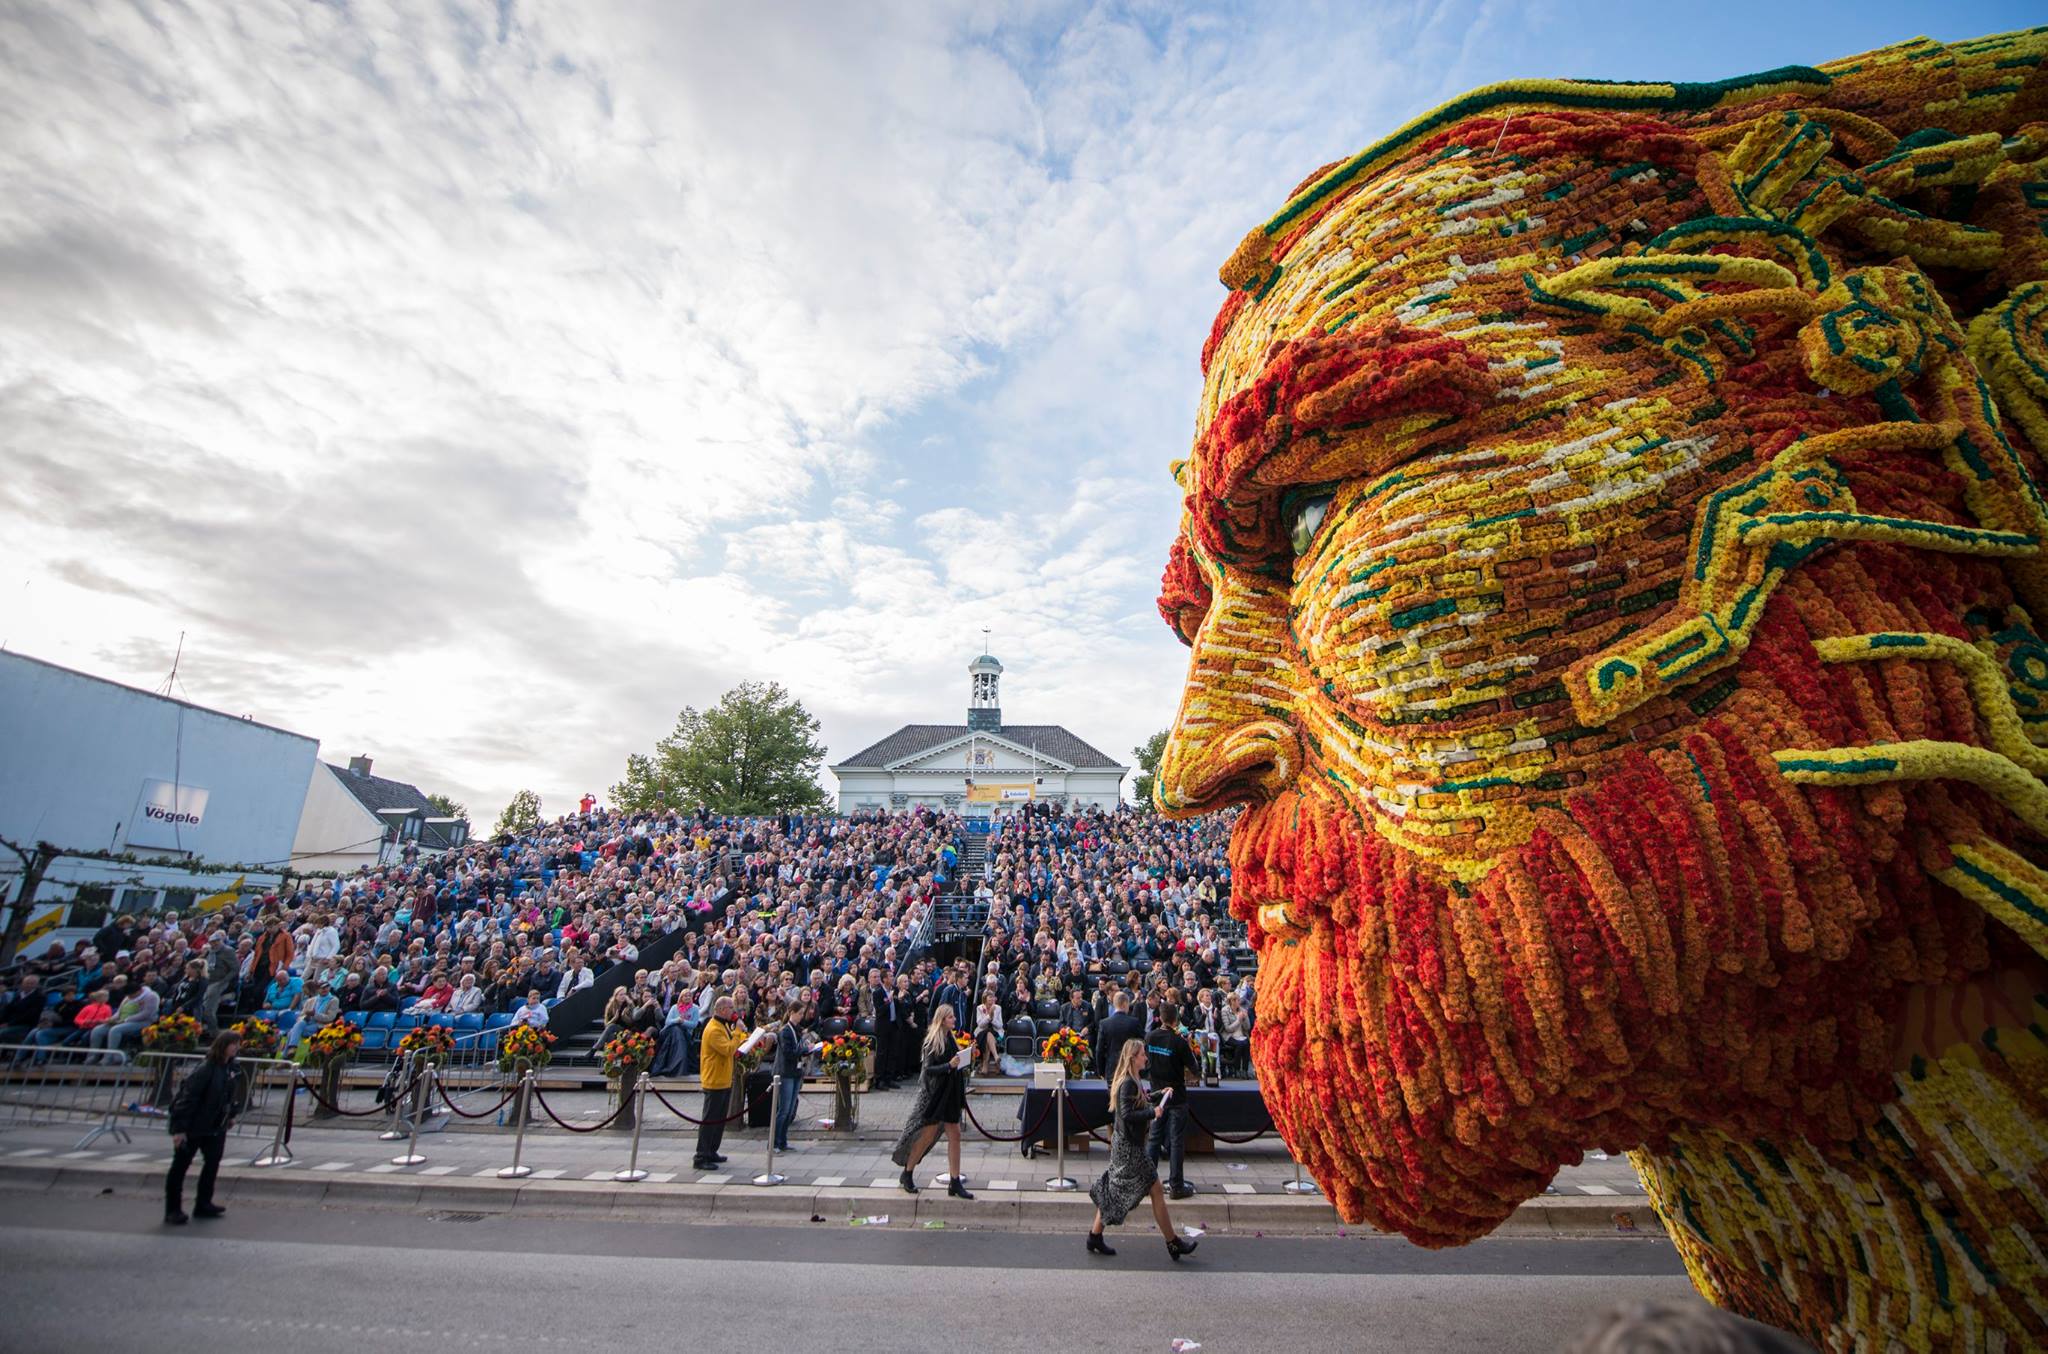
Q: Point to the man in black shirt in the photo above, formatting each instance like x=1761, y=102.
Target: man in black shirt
x=1170, y=1062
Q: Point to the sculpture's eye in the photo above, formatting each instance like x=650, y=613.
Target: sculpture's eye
x=1308, y=517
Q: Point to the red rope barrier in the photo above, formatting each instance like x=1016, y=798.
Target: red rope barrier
x=656, y=1093
x=1030, y=1132
x=458, y=1110
x=1253, y=1136
x=333, y=1108
x=560, y=1122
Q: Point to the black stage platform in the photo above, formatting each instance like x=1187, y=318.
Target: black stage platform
x=1234, y=1109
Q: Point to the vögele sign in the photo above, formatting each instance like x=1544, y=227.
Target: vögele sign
x=167, y=815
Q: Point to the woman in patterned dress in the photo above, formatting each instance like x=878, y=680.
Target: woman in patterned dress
x=941, y=1096
x=1131, y=1175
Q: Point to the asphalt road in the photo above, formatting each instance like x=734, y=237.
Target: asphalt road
x=104, y=1273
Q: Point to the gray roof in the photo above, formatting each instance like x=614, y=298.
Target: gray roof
x=375, y=793
x=1051, y=739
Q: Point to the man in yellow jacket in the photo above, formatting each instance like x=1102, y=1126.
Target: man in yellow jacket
x=721, y=1040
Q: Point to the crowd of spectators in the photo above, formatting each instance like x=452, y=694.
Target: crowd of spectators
x=818, y=913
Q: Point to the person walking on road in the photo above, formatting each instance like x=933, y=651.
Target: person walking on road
x=941, y=1096
x=1131, y=1175
x=201, y=1115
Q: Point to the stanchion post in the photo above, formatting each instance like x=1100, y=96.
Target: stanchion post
x=633, y=1175
x=391, y=1131
x=1298, y=1185
x=1059, y=1182
x=516, y=1171
x=280, y=1153
x=769, y=1176
x=411, y=1156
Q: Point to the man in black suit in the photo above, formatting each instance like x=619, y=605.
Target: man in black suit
x=882, y=1002
x=1118, y=1029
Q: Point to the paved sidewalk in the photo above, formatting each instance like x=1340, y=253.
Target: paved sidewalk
x=829, y=1176
x=822, y=1157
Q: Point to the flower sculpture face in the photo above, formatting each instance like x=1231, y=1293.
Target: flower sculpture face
x=1611, y=559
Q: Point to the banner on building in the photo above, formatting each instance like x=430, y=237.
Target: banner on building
x=214, y=902
x=167, y=816
x=40, y=926
x=998, y=794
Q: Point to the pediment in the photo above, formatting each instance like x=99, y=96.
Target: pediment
x=999, y=756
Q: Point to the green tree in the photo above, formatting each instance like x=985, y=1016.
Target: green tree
x=1148, y=754
x=521, y=815
x=756, y=751
x=445, y=807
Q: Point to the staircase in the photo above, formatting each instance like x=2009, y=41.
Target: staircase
x=1230, y=934
x=973, y=861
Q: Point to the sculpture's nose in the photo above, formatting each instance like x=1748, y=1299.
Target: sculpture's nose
x=1233, y=740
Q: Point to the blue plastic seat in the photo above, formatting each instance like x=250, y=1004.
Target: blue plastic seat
x=498, y=1021
x=403, y=1023
x=443, y=1019
x=468, y=1024
x=379, y=1020
x=376, y=1040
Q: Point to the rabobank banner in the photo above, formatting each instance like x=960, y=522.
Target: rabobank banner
x=168, y=816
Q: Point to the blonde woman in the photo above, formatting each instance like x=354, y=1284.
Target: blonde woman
x=941, y=1096
x=1131, y=1175
x=988, y=1026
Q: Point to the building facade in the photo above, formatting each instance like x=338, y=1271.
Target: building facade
x=353, y=818
x=91, y=765
x=981, y=768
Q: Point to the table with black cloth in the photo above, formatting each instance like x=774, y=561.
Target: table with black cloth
x=758, y=1082
x=1236, y=1108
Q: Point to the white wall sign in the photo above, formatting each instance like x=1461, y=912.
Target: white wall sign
x=167, y=816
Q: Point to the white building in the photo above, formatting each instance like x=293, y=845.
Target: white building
x=93, y=765
x=980, y=767
x=353, y=818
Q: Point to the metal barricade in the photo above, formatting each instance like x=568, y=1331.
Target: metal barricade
x=57, y=1084
x=67, y=1084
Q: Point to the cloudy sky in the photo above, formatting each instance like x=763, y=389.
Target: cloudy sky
x=475, y=385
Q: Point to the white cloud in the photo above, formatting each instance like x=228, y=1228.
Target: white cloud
x=477, y=385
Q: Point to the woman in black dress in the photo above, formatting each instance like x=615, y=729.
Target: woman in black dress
x=1131, y=1175
x=941, y=1096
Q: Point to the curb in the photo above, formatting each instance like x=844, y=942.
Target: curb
x=991, y=1210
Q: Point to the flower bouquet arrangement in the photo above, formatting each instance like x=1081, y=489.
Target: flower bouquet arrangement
x=525, y=1043
x=1066, y=1046
x=260, y=1038
x=428, y=1043
x=330, y=1047
x=333, y=1042
x=627, y=1054
x=174, y=1033
x=846, y=1055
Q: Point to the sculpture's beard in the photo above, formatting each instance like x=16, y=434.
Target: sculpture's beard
x=1681, y=945
x=1364, y=1062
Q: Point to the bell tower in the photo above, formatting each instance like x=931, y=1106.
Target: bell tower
x=984, y=706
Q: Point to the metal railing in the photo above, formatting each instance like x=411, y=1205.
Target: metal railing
x=58, y=1084
x=64, y=1084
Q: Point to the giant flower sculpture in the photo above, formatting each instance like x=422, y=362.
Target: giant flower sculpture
x=1613, y=566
